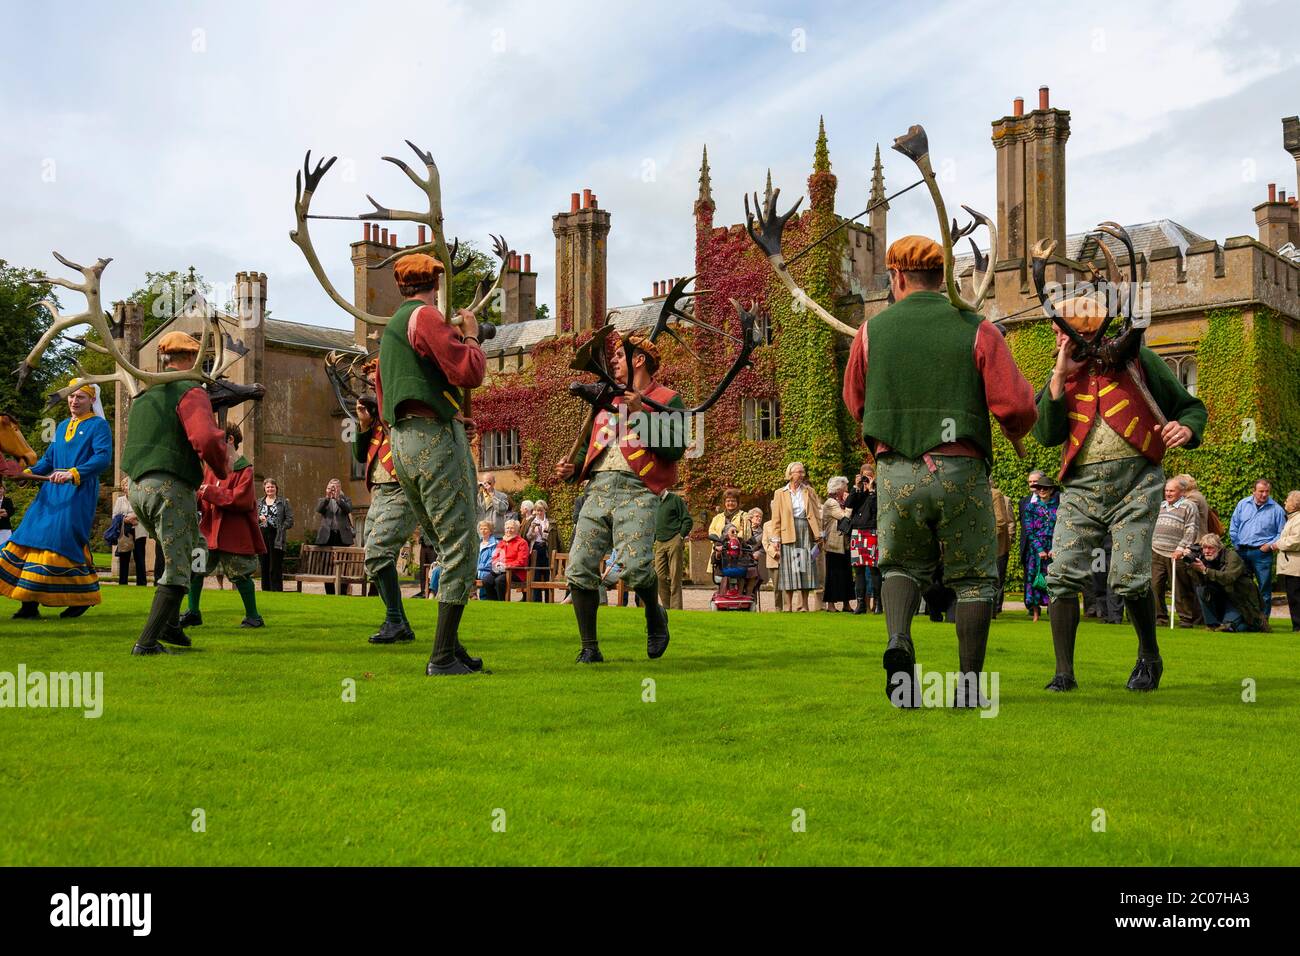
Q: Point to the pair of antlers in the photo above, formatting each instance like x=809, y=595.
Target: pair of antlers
x=1115, y=352
x=225, y=352
x=309, y=178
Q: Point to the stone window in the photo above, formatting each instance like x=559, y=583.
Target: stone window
x=499, y=449
x=1184, y=368
x=761, y=418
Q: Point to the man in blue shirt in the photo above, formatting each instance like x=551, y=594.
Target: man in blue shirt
x=1255, y=527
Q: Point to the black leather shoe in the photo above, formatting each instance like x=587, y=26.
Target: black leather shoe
x=473, y=663
x=1137, y=669
x=390, y=633
x=28, y=609
x=74, y=611
x=1062, y=683
x=252, y=622
x=141, y=650
x=590, y=655
x=655, y=646
x=861, y=608
x=900, y=667
x=1148, y=675
x=174, y=635
x=190, y=619
x=443, y=670
x=966, y=694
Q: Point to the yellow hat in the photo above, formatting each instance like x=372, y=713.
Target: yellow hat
x=643, y=344
x=914, y=254
x=174, y=342
x=1083, y=313
x=89, y=387
x=416, y=269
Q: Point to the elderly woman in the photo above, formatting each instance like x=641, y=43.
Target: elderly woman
x=47, y=560
x=761, y=574
x=133, y=540
x=1287, y=547
x=509, y=559
x=796, y=520
x=729, y=515
x=335, y=510
x=839, y=573
x=487, y=546
x=275, y=518
x=543, y=542
x=1037, y=523
x=864, y=549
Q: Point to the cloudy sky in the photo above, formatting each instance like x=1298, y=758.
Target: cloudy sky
x=167, y=134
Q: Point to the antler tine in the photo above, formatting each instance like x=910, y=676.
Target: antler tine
x=301, y=237
x=502, y=250
x=1113, y=274
x=986, y=285
x=1120, y=233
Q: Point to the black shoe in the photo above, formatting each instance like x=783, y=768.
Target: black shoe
x=174, y=635
x=442, y=670
x=252, y=622
x=590, y=655
x=861, y=608
x=190, y=619
x=390, y=633
x=1062, y=683
x=74, y=611
x=473, y=663
x=141, y=650
x=28, y=609
x=900, y=668
x=967, y=693
x=1147, y=674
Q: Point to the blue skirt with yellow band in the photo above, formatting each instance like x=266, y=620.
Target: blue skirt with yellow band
x=47, y=577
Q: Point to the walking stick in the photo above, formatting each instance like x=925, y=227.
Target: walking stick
x=1173, y=590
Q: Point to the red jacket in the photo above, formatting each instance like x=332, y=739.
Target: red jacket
x=229, y=519
x=515, y=555
x=655, y=472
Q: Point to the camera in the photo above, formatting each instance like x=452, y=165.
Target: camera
x=1194, y=553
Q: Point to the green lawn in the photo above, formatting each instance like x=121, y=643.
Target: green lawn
x=755, y=716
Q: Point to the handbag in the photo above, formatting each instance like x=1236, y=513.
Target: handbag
x=113, y=533
x=845, y=525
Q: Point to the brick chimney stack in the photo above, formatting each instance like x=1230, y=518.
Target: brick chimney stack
x=1031, y=184
x=519, y=290
x=373, y=290
x=580, y=257
x=1274, y=218
x=1291, y=143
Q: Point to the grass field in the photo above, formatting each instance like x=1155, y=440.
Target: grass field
x=754, y=718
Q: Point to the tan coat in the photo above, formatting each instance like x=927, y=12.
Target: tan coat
x=832, y=512
x=771, y=551
x=1004, y=515
x=783, y=513
x=1288, y=546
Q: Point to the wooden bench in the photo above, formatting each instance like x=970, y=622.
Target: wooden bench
x=341, y=567
x=557, y=584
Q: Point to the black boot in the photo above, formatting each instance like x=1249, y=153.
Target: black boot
x=395, y=629
x=166, y=602
x=473, y=663
x=900, y=596
x=393, y=633
x=973, y=620
x=190, y=619
x=442, y=660
x=1149, y=667
x=585, y=604
x=75, y=611
x=28, y=609
x=656, y=622
x=1063, y=613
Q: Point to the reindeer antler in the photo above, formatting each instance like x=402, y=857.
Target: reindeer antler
x=767, y=237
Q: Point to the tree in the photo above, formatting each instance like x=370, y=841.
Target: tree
x=165, y=294
x=22, y=322
x=543, y=311
x=465, y=284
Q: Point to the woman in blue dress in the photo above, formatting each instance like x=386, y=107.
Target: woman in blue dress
x=1038, y=521
x=48, y=561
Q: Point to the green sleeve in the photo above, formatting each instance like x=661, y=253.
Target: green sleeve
x=668, y=441
x=1177, y=404
x=1053, y=425
x=361, y=444
x=687, y=522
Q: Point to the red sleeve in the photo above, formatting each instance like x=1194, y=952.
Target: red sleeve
x=238, y=493
x=855, y=374
x=1008, y=393
x=430, y=336
x=195, y=411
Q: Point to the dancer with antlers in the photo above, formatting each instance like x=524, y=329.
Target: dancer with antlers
x=1116, y=408
x=933, y=449
x=47, y=560
x=171, y=435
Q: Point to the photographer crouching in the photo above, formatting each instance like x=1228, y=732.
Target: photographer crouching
x=1226, y=588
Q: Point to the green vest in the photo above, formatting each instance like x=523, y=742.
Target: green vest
x=156, y=439
x=404, y=374
x=923, y=389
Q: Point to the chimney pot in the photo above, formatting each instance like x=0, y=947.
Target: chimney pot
x=420, y=233
x=573, y=202
x=1281, y=195
x=593, y=202
x=367, y=232
x=392, y=236
x=1042, y=98
x=586, y=199
x=1272, y=192
x=528, y=262
x=1018, y=106
x=383, y=237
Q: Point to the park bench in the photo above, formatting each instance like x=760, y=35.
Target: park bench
x=341, y=567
